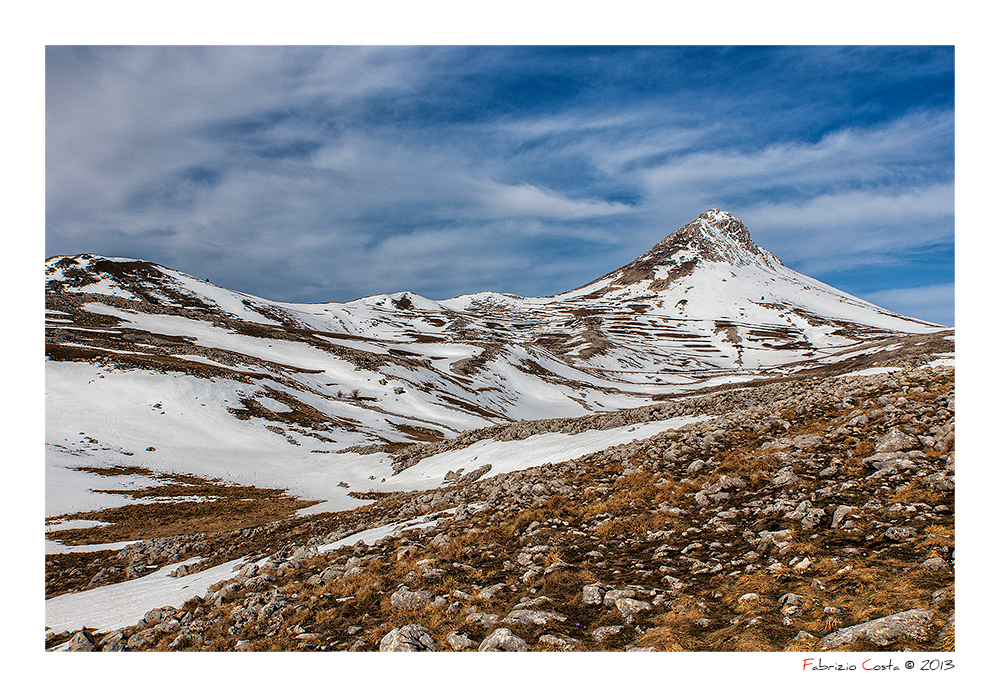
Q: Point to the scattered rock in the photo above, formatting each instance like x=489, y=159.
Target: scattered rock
x=559, y=641
x=784, y=477
x=115, y=641
x=405, y=599
x=503, y=639
x=459, y=642
x=912, y=624
x=839, y=514
x=809, y=440
x=629, y=607
x=81, y=642
x=488, y=620
x=681, y=563
x=489, y=592
x=900, y=533
x=141, y=639
x=593, y=594
x=896, y=440
x=533, y=617
x=602, y=633
x=792, y=599
x=611, y=597
x=411, y=637
x=935, y=564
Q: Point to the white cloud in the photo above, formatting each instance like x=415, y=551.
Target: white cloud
x=526, y=200
x=855, y=207
x=935, y=303
x=852, y=156
x=854, y=228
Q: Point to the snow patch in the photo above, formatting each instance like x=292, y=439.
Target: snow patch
x=873, y=371
x=513, y=456
x=123, y=604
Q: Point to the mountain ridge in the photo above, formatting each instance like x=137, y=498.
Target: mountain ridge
x=714, y=236
x=392, y=371
x=682, y=317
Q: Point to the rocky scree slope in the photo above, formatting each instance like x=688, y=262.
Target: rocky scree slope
x=813, y=513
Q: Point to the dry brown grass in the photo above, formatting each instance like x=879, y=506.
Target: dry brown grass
x=947, y=641
x=144, y=521
x=872, y=589
x=864, y=449
x=756, y=467
x=677, y=494
x=634, y=525
x=744, y=605
x=675, y=631
x=753, y=640
x=884, y=578
x=553, y=557
x=802, y=645
x=831, y=624
x=618, y=503
x=663, y=638
x=869, y=592
x=937, y=536
x=765, y=584
x=227, y=507
x=525, y=519
x=914, y=493
x=116, y=471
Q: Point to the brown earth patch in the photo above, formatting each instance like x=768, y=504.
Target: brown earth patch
x=370, y=495
x=144, y=521
x=426, y=338
x=487, y=414
x=428, y=435
x=116, y=470
x=223, y=507
x=72, y=570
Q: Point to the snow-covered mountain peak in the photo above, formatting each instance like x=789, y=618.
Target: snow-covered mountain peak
x=128, y=278
x=121, y=280
x=718, y=236
x=714, y=237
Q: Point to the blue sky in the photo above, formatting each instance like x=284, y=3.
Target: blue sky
x=317, y=174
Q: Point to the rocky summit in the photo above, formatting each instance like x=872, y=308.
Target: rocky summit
x=701, y=451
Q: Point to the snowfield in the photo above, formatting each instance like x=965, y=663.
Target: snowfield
x=123, y=604
x=511, y=456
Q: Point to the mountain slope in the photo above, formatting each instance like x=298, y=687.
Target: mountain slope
x=810, y=514
x=152, y=367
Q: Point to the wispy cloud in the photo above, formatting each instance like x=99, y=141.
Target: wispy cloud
x=935, y=303
x=909, y=150
x=856, y=228
x=527, y=200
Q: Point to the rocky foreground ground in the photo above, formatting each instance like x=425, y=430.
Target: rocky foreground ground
x=810, y=514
